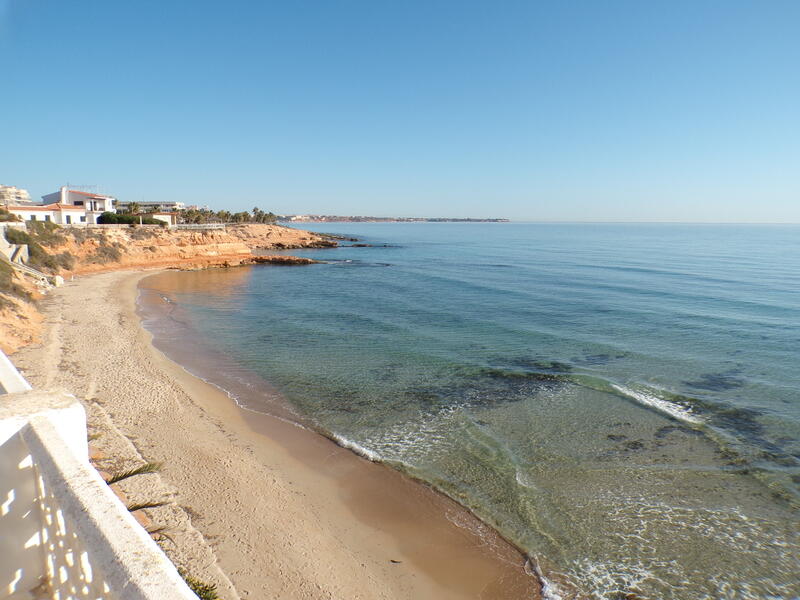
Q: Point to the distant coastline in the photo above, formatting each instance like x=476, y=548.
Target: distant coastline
x=362, y=219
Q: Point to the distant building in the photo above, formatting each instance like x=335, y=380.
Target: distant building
x=148, y=207
x=66, y=207
x=13, y=195
x=170, y=218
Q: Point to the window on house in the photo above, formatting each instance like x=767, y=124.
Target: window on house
x=47, y=218
x=69, y=219
x=78, y=202
x=83, y=219
x=33, y=217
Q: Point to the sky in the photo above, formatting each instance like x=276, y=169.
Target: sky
x=568, y=111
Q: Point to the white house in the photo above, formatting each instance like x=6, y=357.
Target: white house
x=93, y=203
x=66, y=207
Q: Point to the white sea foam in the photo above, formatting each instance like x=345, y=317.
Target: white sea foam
x=676, y=411
x=549, y=589
x=524, y=480
x=356, y=447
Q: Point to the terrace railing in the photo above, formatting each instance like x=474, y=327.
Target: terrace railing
x=63, y=532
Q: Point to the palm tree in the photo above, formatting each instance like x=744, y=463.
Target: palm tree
x=133, y=208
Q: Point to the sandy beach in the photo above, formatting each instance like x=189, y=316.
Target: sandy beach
x=261, y=507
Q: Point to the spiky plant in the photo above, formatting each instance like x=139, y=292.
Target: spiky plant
x=203, y=590
x=141, y=505
x=151, y=467
x=160, y=534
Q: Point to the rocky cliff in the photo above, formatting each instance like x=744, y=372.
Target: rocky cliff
x=101, y=250
x=73, y=251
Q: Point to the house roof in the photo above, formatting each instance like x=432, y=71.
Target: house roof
x=48, y=207
x=88, y=194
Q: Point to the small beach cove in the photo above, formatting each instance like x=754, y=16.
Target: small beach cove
x=587, y=405
x=288, y=513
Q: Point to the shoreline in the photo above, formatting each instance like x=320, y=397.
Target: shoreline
x=291, y=513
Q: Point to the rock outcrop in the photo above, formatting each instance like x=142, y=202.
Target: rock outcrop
x=90, y=250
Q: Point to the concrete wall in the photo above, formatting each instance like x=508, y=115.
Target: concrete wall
x=64, y=535
x=55, y=216
x=27, y=214
x=168, y=219
x=10, y=379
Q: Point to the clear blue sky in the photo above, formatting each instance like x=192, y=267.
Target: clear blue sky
x=602, y=110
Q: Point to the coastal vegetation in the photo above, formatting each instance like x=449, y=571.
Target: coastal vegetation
x=106, y=252
x=199, y=216
x=67, y=251
x=146, y=468
x=203, y=590
x=41, y=235
x=6, y=216
x=9, y=285
x=109, y=218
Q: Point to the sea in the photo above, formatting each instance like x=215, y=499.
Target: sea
x=619, y=401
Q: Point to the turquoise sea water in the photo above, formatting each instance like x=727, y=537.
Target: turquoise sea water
x=620, y=401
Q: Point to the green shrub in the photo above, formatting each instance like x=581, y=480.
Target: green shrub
x=142, y=233
x=6, y=216
x=45, y=233
x=204, y=591
x=109, y=218
x=80, y=235
x=17, y=236
x=106, y=253
x=38, y=257
x=9, y=286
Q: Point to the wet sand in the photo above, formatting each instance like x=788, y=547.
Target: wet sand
x=288, y=513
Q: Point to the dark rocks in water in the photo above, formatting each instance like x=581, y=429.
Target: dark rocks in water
x=482, y=387
x=626, y=596
x=516, y=376
x=616, y=437
x=334, y=236
x=717, y=382
x=282, y=260
x=597, y=359
x=742, y=420
x=664, y=431
x=424, y=397
x=545, y=366
x=553, y=366
x=634, y=445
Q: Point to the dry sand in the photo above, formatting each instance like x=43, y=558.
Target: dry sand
x=261, y=507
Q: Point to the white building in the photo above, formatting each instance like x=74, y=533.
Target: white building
x=170, y=218
x=98, y=203
x=13, y=195
x=66, y=207
x=149, y=207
